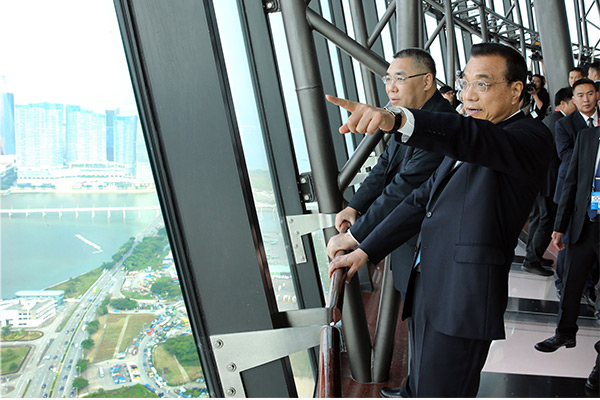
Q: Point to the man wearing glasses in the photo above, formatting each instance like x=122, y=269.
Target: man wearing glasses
x=469, y=214
x=409, y=82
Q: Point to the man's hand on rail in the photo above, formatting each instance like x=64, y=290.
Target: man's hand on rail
x=340, y=243
x=354, y=261
x=345, y=219
x=364, y=118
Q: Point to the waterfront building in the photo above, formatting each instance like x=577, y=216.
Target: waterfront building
x=39, y=139
x=7, y=124
x=58, y=296
x=85, y=136
x=26, y=312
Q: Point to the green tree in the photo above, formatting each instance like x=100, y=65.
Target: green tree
x=6, y=330
x=184, y=348
x=93, y=326
x=82, y=365
x=87, y=343
x=102, y=310
x=165, y=287
x=13, y=367
x=80, y=383
x=124, y=304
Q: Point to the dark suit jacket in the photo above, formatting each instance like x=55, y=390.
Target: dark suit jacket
x=575, y=197
x=470, y=217
x=565, y=135
x=549, y=186
x=399, y=171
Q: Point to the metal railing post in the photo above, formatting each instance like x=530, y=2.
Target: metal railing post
x=311, y=99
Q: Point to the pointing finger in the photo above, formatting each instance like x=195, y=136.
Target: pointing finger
x=346, y=104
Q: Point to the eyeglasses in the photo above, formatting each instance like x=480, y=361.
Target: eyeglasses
x=479, y=85
x=398, y=78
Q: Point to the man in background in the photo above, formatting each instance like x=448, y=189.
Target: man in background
x=541, y=219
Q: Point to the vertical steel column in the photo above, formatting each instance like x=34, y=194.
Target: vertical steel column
x=552, y=21
x=579, y=32
x=311, y=100
x=362, y=37
x=521, y=29
x=485, y=36
x=581, y=19
x=450, y=44
x=407, y=12
x=385, y=331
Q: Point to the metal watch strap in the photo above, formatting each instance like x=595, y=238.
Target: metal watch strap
x=397, y=119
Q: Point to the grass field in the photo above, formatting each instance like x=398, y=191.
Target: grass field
x=110, y=335
x=164, y=361
x=78, y=285
x=11, y=358
x=135, y=391
x=22, y=335
x=137, y=323
x=137, y=296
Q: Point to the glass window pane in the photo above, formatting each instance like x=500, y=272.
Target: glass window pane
x=241, y=85
x=86, y=269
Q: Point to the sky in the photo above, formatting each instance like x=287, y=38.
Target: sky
x=67, y=51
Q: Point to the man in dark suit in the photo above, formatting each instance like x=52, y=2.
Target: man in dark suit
x=577, y=215
x=585, y=97
x=469, y=214
x=410, y=82
x=541, y=219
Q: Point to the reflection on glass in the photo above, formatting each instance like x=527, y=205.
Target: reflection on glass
x=91, y=303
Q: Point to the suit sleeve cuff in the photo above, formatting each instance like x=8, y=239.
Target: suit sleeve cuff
x=409, y=126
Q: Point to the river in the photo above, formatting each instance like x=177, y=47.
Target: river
x=39, y=251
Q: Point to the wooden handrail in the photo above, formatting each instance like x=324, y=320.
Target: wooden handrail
x=330, y=385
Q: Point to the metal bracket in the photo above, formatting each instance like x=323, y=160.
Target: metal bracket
x=237, y=352
x=306, y=187
x=271, y=6
x=299, y=225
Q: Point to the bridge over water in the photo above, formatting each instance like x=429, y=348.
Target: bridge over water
x=60, y=211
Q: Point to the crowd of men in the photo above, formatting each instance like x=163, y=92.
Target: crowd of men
x=451, y=194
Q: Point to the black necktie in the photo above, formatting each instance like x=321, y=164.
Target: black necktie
x=590, y=122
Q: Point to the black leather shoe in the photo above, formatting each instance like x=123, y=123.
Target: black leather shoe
x=554, y=343
x=592, y=381
x=389, y=392
x=537, y=268
x=546, y=262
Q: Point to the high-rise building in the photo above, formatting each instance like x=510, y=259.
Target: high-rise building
x=125, y=137
x=110, y=134
x=39, y=139
x=85, y=136
x=7, y=124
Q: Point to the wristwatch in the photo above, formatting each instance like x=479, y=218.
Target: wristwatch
x=397, y=118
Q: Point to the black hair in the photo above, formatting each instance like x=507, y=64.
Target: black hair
x=576, y=69
x=595, y=66
x=584, y=81
x=445, y=89
x=516, y=67
x=541, y=78
x=565, y=94
x=420, y=57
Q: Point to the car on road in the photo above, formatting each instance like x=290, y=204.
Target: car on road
x=45, y=395
x=43, y=386
x=65, y=377
x=55, y=357
x=62, y=388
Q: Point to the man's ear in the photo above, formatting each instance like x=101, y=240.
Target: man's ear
x=429, y=81
x=516, y=90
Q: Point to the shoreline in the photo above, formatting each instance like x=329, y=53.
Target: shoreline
x=8, y=192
